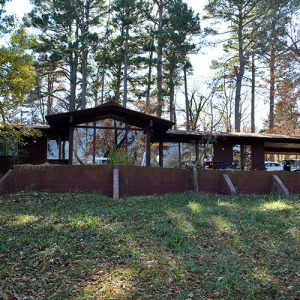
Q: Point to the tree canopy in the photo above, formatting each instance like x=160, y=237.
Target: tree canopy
x=141, y=53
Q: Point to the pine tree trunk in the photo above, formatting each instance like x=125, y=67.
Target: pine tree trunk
x=272, y=88
x=187, y=103
x=172, y=90
x=126, y=66
x=102, y=84
x=159, y=61
x=85, y=14
x=118, y=83
x=73, y=80
x=119, y=75
x=253, y=86
x=49, y=98
x=103, y=67
x=237, y=103
x=149, y=79
x=73, y=64
x=239, y=71
x=84, y=70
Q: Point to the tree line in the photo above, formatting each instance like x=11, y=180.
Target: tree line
x=69, y=55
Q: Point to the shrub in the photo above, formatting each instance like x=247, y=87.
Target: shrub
x=120, y=156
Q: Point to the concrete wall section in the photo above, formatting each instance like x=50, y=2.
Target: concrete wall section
x=210, y=181
x=251, y=182
x=63, y=178
x=148, y=181
x=291, y=180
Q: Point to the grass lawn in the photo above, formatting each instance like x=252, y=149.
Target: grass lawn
x=181, y=246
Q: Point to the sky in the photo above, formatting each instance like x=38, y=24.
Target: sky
x=201, y=61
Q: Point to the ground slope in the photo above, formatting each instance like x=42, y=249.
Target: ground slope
x=182, y=246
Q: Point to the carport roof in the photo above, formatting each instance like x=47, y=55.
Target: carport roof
x=235, y=137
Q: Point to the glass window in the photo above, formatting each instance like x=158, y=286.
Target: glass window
x=55, y=146
x=248, y=157
x=171, y=155
x=187, y=154
x=53, y=149
x=236, y=156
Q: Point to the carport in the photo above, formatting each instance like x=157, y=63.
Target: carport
x=224, y=143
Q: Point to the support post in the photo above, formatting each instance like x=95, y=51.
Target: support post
x=116, y=133
x=161, y=153
x=242, y=157
x=59, y=148
x=116, y=187
x=195, y=179
x=126, y=137
x=179, y=154
x=94, y=144
x=64, y=150
x=148, y=149
x=71, y=144
x=197, y=150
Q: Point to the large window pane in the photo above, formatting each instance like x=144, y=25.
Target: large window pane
x=236, y=156
x=171, y=155
x=187, y=154
x=53, y=150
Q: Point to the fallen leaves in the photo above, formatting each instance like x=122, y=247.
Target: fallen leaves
x=76, y=246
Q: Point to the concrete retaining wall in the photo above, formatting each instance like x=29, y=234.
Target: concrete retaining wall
x=136, y=181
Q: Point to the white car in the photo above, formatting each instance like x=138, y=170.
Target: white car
x=273, y=166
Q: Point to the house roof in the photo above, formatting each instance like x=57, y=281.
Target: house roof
x=160, y=128
x=238, y=137
x=109, y=110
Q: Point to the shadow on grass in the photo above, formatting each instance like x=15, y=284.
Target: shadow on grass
x=59, y=246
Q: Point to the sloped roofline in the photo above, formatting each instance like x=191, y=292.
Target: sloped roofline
x=109, y=110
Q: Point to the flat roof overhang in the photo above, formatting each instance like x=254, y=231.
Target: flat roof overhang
x=282, y=148
x=273, y=143
x=233, y=137
x=109, y=110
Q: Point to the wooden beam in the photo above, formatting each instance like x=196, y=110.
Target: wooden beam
x=116, y=133
x=71, y=144
x=195, y=179
x=242, y=156
x=59, y=148
x=179, y=154
x=148, y=149
x=161, y=153
x=94, y=144
x=126, y=136
x=63, y=150
x=197, y=150
x=111, y=128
